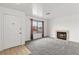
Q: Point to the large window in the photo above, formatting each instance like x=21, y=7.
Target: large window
x=37, y=26
x=37, y=29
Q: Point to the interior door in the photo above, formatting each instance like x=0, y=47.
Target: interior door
x=12, y=31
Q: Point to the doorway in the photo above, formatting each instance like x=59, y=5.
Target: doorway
x=37, y=29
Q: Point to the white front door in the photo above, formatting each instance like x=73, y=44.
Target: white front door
x=12, y=31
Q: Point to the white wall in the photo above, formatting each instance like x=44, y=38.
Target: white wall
x=37, y=10
x=27, y=28
x=68, y=23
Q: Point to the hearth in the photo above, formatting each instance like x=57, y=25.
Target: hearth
x=62, y=35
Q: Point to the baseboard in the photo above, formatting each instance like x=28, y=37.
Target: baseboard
x=36, y=39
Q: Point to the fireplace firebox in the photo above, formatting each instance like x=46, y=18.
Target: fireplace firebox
x=62, y=35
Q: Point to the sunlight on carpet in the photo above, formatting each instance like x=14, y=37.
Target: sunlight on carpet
x=19, y=50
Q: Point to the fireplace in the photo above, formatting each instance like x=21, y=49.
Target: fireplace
x=62, y=35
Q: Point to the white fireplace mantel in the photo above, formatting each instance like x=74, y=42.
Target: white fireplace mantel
x=63, y=31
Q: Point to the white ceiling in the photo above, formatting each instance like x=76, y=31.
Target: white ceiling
x=55, y=9
x=60, y=9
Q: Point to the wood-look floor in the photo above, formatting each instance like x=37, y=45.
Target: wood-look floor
x=19, y=50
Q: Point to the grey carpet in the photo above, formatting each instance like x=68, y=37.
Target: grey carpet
x=48, y=46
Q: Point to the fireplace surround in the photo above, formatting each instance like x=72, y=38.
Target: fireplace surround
x=62, y=35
